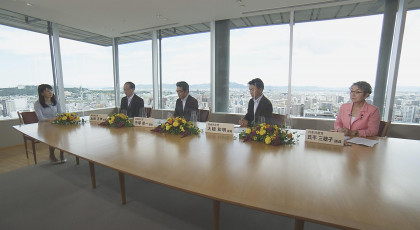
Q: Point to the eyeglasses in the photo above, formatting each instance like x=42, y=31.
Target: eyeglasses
x=355, y=92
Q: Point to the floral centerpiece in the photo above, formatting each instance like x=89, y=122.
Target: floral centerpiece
x=117, y=120
x=269, y=134
x=67, y=119
x=177, y=125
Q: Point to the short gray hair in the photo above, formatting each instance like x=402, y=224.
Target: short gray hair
x=364, y=86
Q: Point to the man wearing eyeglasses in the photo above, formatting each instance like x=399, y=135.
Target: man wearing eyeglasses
x=185, y=104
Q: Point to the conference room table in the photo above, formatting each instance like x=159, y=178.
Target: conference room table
x=350, y=187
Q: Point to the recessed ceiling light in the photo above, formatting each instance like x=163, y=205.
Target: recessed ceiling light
x=29, y=4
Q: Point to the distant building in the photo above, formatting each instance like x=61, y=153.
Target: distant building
x=408, y=114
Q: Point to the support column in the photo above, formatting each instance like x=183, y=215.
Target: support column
x=384, y=53
x=56, y=64
x=115, y=61
x=395, y=60
x=156, y=72
x=221, y=65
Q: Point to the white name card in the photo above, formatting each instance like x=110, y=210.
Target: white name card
x=143, y=121
x=220, y=128
x=324, y=137
x=98, y=117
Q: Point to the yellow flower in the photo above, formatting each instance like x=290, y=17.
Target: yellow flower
x=71, y=118
x=262, y=132
x=176, y=123
x=184, y=121
x=64, y=118
x=182, y=128
x=248, y=131
x=170, y=121
x=258, y=132
x=168, y=127
x=268, y=140
x=255, y=138
x=273, y=137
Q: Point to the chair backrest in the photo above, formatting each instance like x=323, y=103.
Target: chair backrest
x=383, y=128
x=203, y=115
x=148, y=111
x=27, y=117
x=278, y=119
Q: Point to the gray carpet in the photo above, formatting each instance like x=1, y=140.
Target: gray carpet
x=49, y=196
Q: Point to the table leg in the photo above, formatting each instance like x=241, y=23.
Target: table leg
x=122, y=186
x=92, y=174
x=216, y=214
x=299, y=224
x=77, y=160
x=34, y=150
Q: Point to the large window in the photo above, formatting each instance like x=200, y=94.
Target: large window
x=328, y=56
x=407, y=97
x=87, y=75
x=135, y=61
x=25, y=63
x=261, y=52
x=186, y=58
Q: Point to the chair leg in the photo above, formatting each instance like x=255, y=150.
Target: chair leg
x=34, y=150
x=26, y=147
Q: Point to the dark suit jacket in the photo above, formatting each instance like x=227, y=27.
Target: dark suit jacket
x=135, y=105
x=265, y=108
x=190, y=105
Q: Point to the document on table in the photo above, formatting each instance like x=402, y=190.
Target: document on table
x=363, y=141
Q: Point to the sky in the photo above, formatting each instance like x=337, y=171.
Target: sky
x=332, y=53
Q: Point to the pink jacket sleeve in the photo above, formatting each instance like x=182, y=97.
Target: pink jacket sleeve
x=339, y=121
x=373, y=124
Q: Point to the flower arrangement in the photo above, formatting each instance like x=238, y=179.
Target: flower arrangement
x=177, y=125
x=67, y=119
x=269, y=134
x=117, y=120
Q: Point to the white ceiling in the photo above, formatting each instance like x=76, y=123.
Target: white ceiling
x=116, y=18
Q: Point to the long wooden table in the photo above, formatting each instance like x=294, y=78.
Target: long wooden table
x=353, y=187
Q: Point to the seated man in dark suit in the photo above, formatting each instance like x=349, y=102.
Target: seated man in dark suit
x=258, y=105
x=131, y=102
x=185, y=104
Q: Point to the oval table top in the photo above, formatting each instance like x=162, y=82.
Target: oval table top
x=344, y=186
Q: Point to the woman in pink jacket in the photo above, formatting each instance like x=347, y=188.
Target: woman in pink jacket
x=358, y=118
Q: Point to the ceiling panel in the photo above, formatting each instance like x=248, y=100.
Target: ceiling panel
x=321, y=13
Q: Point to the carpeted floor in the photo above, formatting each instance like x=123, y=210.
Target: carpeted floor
x=47, y=196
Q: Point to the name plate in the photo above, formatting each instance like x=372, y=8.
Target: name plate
x=220, y=128
x=98, y=117
x=324, y=137
x=143, y=121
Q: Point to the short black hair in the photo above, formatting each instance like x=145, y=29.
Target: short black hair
x=364, y=86
x=131, y=84
x=257, y=82
x=183, y=85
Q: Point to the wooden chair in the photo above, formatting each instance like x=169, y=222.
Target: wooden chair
x=148, y=111
x=278, y=119
x=28, y=118
x=383, y=128
x=203, y=115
